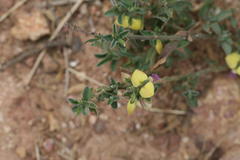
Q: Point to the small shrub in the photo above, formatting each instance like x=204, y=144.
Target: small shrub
x=146, y=34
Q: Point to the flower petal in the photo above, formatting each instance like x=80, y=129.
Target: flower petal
x=124, y=23
x=237, y=71
x=232, y=60
x=131, y=107
x=147, y=90
x=138, y=77
x=137, y=24
x=158, y=46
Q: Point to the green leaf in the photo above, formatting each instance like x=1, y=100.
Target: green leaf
x=94, y=110
x=92, y=40
x=114, y=105
x=77, y=109
x=234, y=22
x=163, y=19
x=216, y=28
x=105, y=60
x=87, y=93
x=181, y=5
x=108, y=37
x=204, y=11
x=191, y=97
x=115, y=31
x=226, y=47
x=224, y=15
x=73, y=101
x=112, y=12
x=125, y=3
x=119, y=19
x=113, y=65
x=123, y=34
x=183, y=44
x=206, y=27
x=113, y=43
x=101, y=55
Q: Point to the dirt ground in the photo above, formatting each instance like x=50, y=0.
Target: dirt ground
x=36, y=122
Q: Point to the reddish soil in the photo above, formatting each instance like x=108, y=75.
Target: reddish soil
x=36, y=122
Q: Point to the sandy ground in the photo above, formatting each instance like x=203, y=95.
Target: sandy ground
x=36, y=122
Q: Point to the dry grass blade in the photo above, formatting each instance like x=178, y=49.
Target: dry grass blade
x=60, y=2
x=38, y=157
x=167, y=111
x=11, y=10
x=83, y=76
x=53, y=36
x=67, y=76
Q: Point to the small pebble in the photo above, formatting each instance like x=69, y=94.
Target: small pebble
x=138, y=126
x=73, y=63
x=103, y=117
x=48, y=145
x=7, y=129
x=64, y=125
x=72, y=125
x=92, y=119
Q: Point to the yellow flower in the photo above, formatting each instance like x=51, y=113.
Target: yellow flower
x=131, y=107
x=147, y=90
x=124, y=23
x=232, y=60
x=158, y=46
x=138, y=77
x=137, y=24
x=237, y=71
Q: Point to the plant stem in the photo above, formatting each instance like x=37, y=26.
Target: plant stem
x=168, y=37
x=198, y=73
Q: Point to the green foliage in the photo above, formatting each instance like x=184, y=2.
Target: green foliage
x=172, y=22
x=191, y=97
x=85, y=105
x=213, y=18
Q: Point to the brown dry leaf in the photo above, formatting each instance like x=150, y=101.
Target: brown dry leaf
x=160, y=61
x=53, y=123
x=31, y=26
x=76, y=88
x=167, y=50
x=60, y=75
x=124, y=76
x=49, y=65
x=21, y=151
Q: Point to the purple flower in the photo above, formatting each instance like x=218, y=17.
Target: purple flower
x=155, y=77
x=233, y=75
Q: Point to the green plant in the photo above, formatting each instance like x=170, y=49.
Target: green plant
x=147, y=34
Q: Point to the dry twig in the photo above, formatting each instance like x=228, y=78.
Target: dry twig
x=38, y=156
x=167, y=111
x=58, y=2
x=11, y=10
x=53, y=36
x=30, y=52
x=65, y=152
x=81, y=75
x=67, y=76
